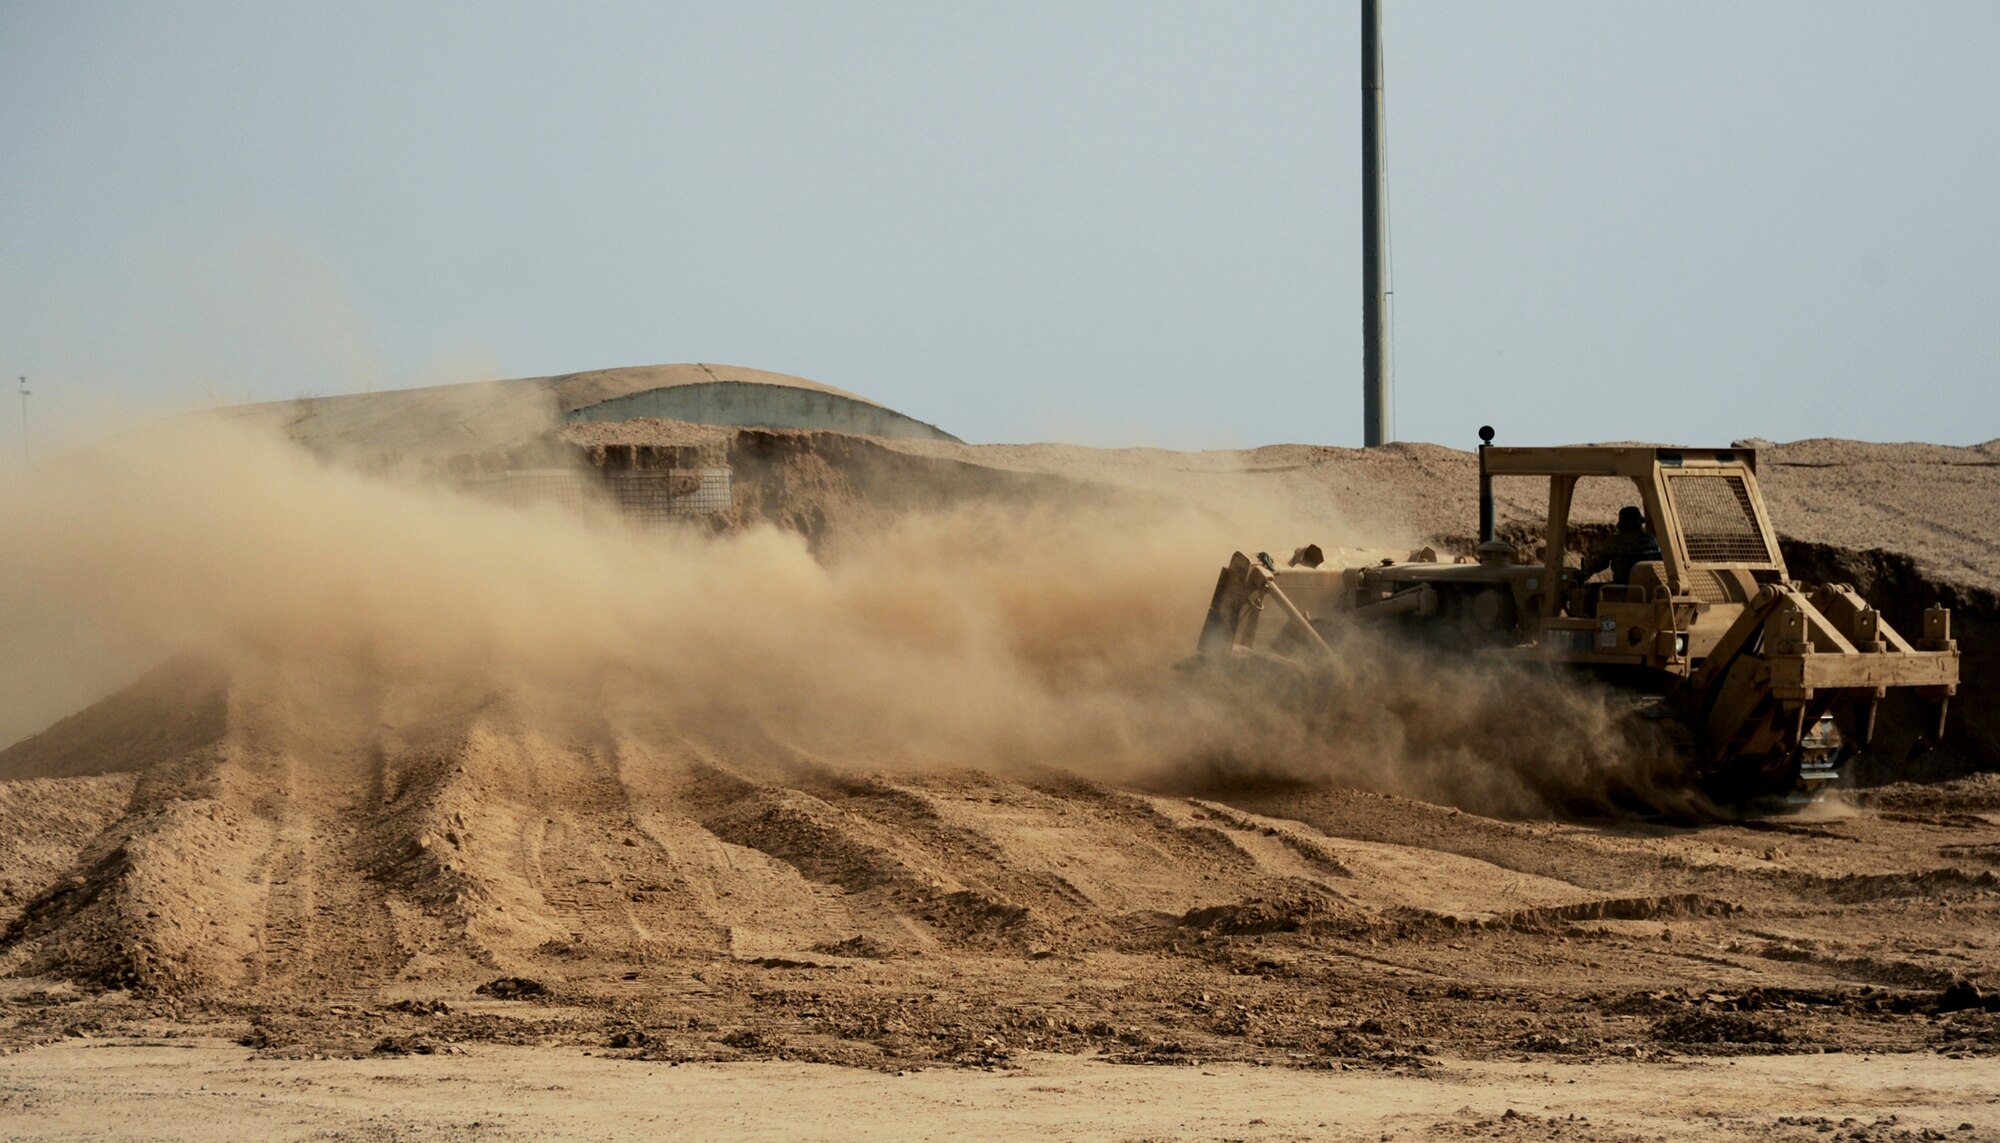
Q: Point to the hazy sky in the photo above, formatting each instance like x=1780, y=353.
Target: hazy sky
x=1118, y=223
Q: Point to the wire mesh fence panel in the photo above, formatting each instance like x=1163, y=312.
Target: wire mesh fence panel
x=641, y=494
x=716, y=493
x=663, y=494
x=1717, y=520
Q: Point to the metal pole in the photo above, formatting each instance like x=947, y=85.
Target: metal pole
x=25, y=454
x=1374, y=320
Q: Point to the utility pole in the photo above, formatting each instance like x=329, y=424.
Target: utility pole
x=1374, y=319
x=25, y=455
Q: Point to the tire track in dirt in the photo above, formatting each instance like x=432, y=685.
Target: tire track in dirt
x=309, y=764
x=1014, y=877
x=898, y=890
x=880, y=872
x=601, y=874
x=1558, y=852
x=1141, y=814
x=326, y=928
x=752, y=904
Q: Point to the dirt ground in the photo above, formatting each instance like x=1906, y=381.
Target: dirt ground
x=303, y=885
x=186, y=1089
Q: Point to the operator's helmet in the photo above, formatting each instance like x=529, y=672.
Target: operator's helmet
x=1630, y=517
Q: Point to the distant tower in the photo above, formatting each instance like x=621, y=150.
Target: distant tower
x=1374, y=320
x=24, y=418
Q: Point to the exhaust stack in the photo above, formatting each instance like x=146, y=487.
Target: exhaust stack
x=1485, y=487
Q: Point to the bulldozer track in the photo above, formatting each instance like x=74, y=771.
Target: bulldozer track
x=323, y=927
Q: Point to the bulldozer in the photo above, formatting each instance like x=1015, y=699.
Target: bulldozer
x=1768, y=684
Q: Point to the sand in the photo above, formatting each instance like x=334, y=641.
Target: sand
x=888, y=771
x=178, y=1090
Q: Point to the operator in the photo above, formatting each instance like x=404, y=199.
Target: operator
x=1630, y=546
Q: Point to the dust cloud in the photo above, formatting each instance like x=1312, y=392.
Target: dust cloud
x=1501, y=737
x=998, y=636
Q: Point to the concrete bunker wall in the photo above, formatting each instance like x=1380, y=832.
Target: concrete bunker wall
x=749, y=404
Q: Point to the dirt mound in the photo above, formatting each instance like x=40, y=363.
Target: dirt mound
x=286, y=862
x=172, y=710
x=44, y=824
x=1932, y=503
x=1721, y=1028
x=1952, y=801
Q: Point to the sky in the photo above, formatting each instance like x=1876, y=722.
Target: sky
x=1115, y=223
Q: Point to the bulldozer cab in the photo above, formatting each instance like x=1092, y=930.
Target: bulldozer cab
x=1707, y=515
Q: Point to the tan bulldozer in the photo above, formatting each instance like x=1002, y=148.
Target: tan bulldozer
x=1770, y=683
